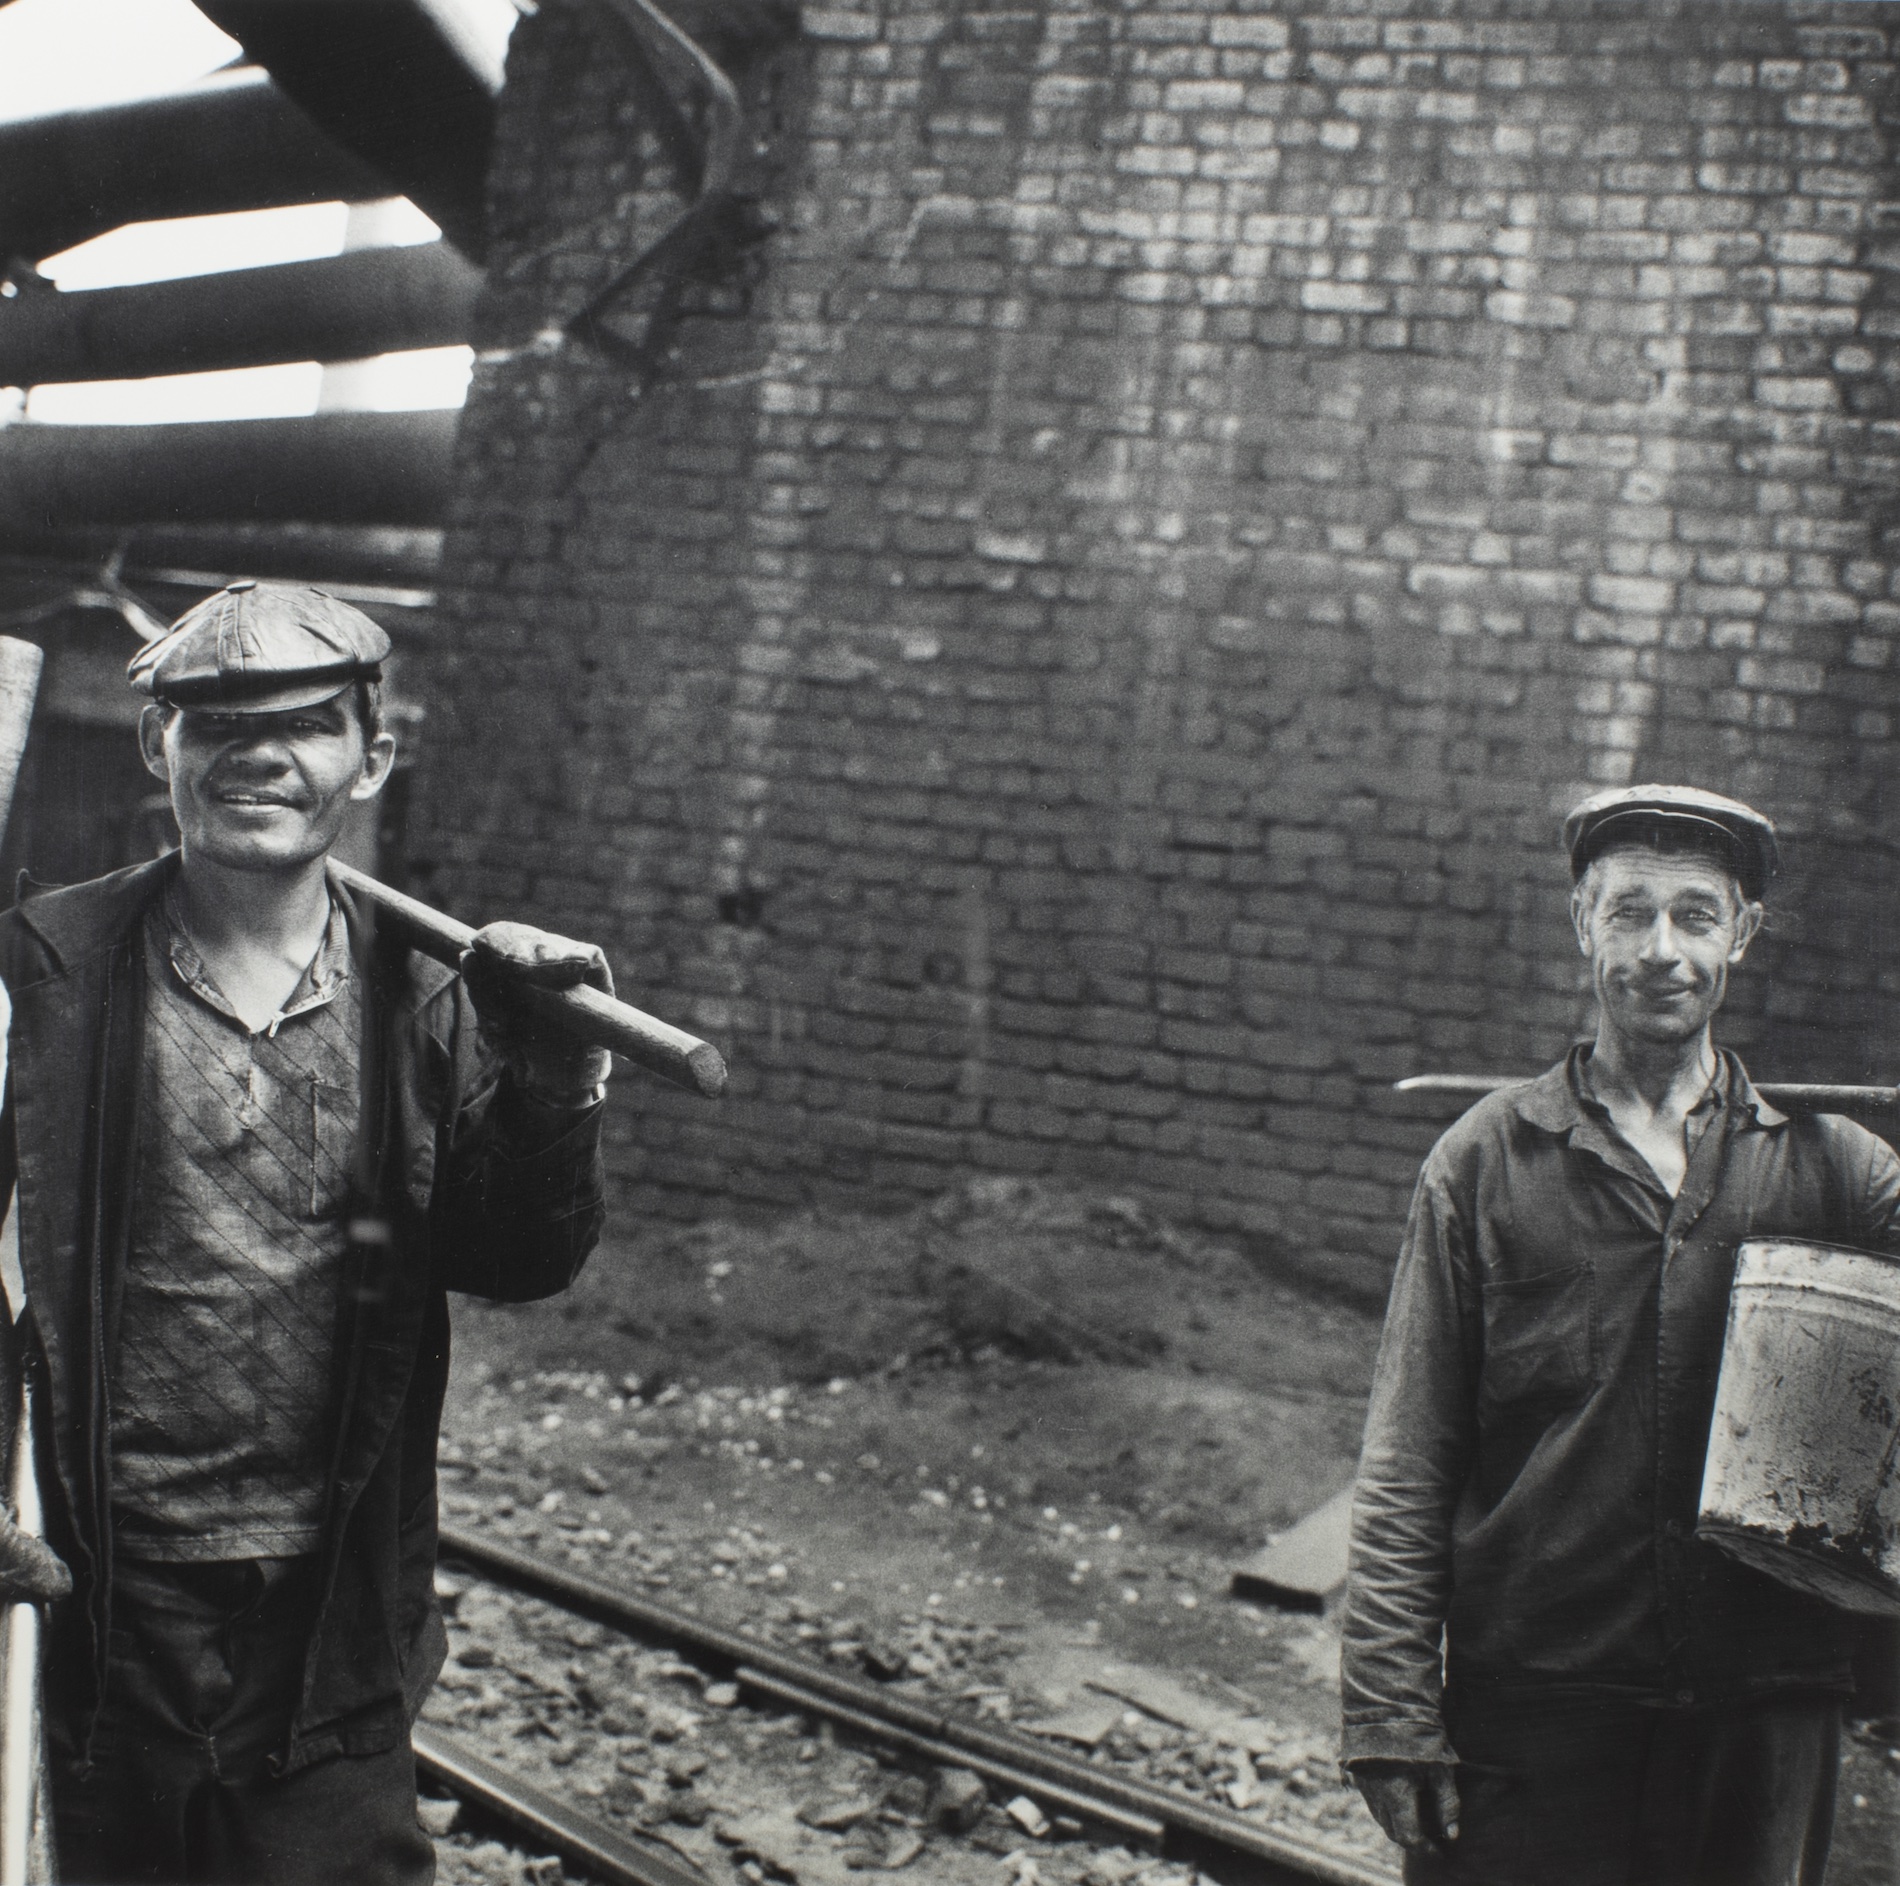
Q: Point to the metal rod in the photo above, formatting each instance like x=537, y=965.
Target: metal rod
x=725, y=114
x=604, y=1853
x=610, y=1604
x=663, y=42
x=1790, y=1096
x=585, y=1013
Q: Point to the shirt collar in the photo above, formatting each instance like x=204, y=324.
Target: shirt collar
x=325, y=976
x=1560, y=1099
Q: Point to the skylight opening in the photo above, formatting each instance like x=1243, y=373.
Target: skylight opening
x=65, y=55
x=426, y=379
x=238, y=239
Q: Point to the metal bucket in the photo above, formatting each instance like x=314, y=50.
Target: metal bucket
x=1801, y=1479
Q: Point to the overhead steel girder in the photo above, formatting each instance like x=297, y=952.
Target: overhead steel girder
x=333, y=468
x=232, y=141
x=404, y=556
x=385, y=80
x=343, y=307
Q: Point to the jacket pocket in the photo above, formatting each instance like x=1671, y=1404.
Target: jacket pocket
x=1540, y=1337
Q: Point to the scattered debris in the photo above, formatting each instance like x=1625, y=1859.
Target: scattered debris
x=1028, y=1816
x=1167, y=1699
x=903, y=1847
x=957, y=1799
x=766, y=1839
x=835, y=1817
x=1304, y=1567
x=885, y=1662
x=438, y=1818
x=1085, y=1724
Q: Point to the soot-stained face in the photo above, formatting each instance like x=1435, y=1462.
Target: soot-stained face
x=1662, y=931
x=262, y=792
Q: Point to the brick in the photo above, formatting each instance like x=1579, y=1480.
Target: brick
x=836, y=24
x=1344, y=297
x=1107, y=601
x=1530, y=310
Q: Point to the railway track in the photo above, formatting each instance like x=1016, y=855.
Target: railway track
x=1136, y=1813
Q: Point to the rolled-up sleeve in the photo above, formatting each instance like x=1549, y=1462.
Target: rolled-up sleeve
x=1419, y=1441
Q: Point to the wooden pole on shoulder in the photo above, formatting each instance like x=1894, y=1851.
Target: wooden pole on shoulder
x=586, y=1014
x=25, y=1847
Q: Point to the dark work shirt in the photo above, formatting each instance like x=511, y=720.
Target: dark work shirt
x=1541, y=1406
x=222, y=1387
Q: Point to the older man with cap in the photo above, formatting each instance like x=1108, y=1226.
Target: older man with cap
x=255, y=1144
x=1549, y=1680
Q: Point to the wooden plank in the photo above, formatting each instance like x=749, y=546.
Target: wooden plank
x=1302, y=1568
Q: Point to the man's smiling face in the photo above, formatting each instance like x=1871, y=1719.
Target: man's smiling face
x=1661, y=931
x=264, y=792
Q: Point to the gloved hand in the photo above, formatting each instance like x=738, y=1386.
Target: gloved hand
x=29, y=1568
x=550, y=1064
x=1415, y=1802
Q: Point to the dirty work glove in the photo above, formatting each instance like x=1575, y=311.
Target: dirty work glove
x=30, y=1571
x=1415, y=1802
x=549, y=1063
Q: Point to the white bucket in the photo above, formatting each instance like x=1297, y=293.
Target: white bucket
x=1801, y=1479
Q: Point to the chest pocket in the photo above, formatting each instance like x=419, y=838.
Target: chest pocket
x=1540, y=1336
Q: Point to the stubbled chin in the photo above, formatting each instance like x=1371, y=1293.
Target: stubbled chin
x=1668, y=1022
x=257, y=846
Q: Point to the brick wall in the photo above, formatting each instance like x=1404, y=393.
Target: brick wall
x=1062, y=636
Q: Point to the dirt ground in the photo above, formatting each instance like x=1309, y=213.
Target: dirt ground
x=1009, y=1445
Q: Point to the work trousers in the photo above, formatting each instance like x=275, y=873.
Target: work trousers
x=1592, y=1791
x=204, y=1667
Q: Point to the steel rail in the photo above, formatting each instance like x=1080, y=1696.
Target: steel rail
x=1089, y=1807
x=604, y=1853
x=1291, y=1858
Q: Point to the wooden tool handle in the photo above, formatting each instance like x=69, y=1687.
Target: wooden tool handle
x=22, y=1807
x=589, y=1016
x=20, y=664
x=1791, y=1096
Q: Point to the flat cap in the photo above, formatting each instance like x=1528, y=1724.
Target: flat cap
x=1675, y=818
x=259, y=648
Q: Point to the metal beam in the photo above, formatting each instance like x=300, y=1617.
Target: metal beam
x=385, y=81
x=602, y=1852
x=381, y=556
x=232, y=141
x=334, y=468
x=343, y=307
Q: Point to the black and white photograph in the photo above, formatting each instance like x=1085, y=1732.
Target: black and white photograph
x=950, y=939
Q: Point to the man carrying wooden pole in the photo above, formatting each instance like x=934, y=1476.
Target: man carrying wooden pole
x=257, y=1138
x=1549, y=1679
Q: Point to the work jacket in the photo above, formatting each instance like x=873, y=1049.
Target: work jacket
x=475, y=1188
x=1541, y=1406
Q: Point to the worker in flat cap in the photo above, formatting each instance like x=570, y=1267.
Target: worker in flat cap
x=255, y=1144
x=1548, y=1679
